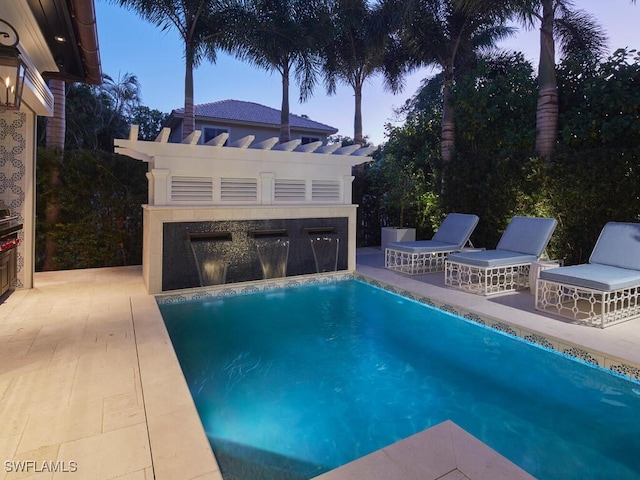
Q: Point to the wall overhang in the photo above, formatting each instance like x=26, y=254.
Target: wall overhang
x=58, y=39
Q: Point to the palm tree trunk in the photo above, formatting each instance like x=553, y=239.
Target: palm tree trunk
x=189, y=122
x=56, y=125
x=547, y=109
x=357, y=120
x=285, y=127
x=448, y=139
x=55, y=134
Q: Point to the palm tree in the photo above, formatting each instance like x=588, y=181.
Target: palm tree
x=199, y=24
x=355, y=51
x=98, y=114
x=450, y=34
x=55, y=126
x=282, y=36
x=123, y=92
x=576, y=31
x=55, y=135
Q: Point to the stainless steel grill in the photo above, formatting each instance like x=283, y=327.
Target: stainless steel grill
x=10, y=228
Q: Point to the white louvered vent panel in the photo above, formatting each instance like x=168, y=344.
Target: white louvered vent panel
x=290, y=190
x=239, y=190
x=325, y=190
x=191, y=189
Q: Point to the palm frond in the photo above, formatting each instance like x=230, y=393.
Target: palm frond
x=579, y=32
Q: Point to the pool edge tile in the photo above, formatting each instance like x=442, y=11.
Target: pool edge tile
x=240, y=288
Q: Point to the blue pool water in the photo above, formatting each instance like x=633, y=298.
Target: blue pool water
x=294, y=382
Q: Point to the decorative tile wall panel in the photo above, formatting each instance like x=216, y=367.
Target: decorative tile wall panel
x=13, y=181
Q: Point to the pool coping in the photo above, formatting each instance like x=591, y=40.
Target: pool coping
x=171, y=412
x=443, y=451
x=178, y=442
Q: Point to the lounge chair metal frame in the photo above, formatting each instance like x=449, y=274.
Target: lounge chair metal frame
x=486, y=280
x=594, y=307
x=414, y=260
x=416, y=263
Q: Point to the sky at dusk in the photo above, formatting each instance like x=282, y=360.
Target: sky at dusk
x=129, y=44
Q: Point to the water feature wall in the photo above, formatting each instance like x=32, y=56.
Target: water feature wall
x=225, y=214
x=247, y=250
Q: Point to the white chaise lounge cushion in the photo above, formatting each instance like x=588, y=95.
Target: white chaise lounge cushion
x=421, y=246
x=491, y=258
x=528, y=235
x=453, y=234
x=598, y=277
x=456, y=229
x=614, y=263
x=618, y=246
x=523, y=241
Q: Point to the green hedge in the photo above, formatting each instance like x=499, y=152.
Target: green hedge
x=100, y=197
x=591, y=179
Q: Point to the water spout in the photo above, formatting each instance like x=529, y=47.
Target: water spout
x=324, y=243
x=273, y=252
x=212, y=267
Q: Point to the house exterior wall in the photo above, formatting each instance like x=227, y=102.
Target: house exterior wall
x=17, y=185
x=237, y=132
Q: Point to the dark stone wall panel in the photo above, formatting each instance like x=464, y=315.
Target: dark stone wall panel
x=179, y=268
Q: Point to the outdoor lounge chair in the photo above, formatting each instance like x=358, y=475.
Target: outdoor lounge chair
x=506, y=268
x=425, y=256
x=604, y=291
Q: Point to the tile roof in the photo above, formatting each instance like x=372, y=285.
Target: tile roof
x=240, y=111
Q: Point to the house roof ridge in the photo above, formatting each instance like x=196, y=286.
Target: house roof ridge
x=248, y=111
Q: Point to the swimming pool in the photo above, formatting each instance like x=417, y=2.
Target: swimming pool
x=294, y=382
